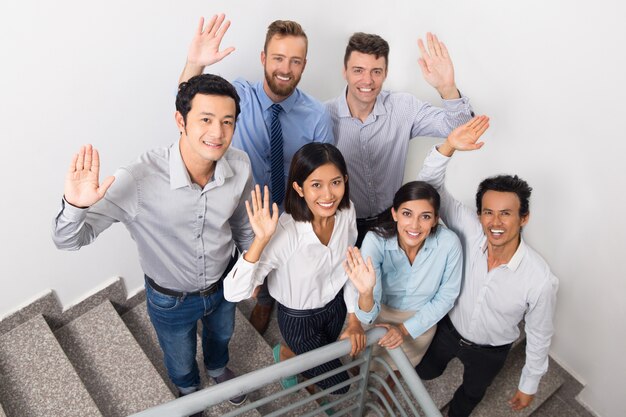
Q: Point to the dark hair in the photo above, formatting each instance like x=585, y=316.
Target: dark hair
x=306, y=160
x=282, y=28
x=414, y=190
x=208, y=84
x=505, y=183
x=367, y=43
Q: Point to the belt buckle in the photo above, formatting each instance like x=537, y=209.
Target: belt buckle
x=465, y=343
x=208, y=291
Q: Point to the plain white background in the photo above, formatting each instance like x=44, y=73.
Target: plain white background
x=549, y=74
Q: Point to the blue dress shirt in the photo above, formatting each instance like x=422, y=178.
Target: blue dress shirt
x=429, y=286
x=303, y=120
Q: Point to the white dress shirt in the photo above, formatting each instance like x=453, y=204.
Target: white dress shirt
x=492, y=303
x=302, y=273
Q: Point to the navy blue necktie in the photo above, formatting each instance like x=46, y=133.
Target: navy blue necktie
x=276, y=156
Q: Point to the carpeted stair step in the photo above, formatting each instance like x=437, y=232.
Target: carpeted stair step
x=113, y=367
x=139, y=324
x=37, y=378
x=505, y=385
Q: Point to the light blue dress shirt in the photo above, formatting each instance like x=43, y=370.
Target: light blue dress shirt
x=429, y=286
x=303, y=120
x=375, y=150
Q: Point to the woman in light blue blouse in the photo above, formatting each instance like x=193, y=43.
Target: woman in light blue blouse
x=413, y=271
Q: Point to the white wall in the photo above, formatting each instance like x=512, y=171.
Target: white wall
x=550, y=74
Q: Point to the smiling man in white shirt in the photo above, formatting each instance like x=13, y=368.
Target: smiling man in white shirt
x=505, y=281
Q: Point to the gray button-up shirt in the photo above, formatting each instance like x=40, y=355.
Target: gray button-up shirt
x=185, y=234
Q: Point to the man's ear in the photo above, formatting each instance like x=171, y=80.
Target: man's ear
x=525, y=219
x=263, y=57
x=180, y=121
x=298, y=189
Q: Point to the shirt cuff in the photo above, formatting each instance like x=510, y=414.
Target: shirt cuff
x=456, y=103
x=529, y=384
x=412, y=327
x=72, y=213
x=366, y=317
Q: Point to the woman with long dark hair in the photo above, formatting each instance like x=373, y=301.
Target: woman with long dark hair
x=412, y=275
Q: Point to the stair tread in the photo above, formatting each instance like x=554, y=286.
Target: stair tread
x=115, y=370
x=555, y=407
x=505, y=385
x=38, y=379
x=501, y=390
x=248, y=352
x=139, y=323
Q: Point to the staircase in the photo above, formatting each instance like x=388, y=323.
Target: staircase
x=101, y=358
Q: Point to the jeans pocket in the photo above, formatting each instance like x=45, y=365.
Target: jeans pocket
x=161, y=301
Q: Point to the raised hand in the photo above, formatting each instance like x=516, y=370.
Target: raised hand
x=465, y=137
x=262, y=221
x=362, y=274
x=82, y=187
x=437, y=67
x=205, y=45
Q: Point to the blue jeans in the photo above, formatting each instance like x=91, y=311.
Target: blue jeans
x=175, y=320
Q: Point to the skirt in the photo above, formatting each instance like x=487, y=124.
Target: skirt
x=414, y=349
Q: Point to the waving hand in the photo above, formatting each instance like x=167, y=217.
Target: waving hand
x=82, y=187
x=437, y=67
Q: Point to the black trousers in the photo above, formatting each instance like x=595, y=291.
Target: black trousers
x=305, y=330
x=481, y=364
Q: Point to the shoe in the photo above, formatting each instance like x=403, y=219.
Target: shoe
x=288, y=382
x=226, y=376
x=199, y=414
x=260, y=317
x=328, y=411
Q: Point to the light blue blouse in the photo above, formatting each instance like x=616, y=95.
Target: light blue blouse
x=429, y=286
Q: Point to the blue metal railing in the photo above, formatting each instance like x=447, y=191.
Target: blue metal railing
x=367, y=393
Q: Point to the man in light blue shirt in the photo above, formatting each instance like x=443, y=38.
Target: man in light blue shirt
x=301, y=118
x=373, y=126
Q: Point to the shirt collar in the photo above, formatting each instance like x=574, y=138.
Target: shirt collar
x=378, y=110
x=516, y=260
x=287, y=104
x=179, y=176
x=517, y=257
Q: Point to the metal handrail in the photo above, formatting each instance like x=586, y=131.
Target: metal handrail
x=259, y=378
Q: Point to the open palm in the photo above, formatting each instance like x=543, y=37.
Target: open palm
x=361, y=273
x=205, y=46
x=436, y=64
x=82, y=187
x=263, y=221
x=465, y=137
